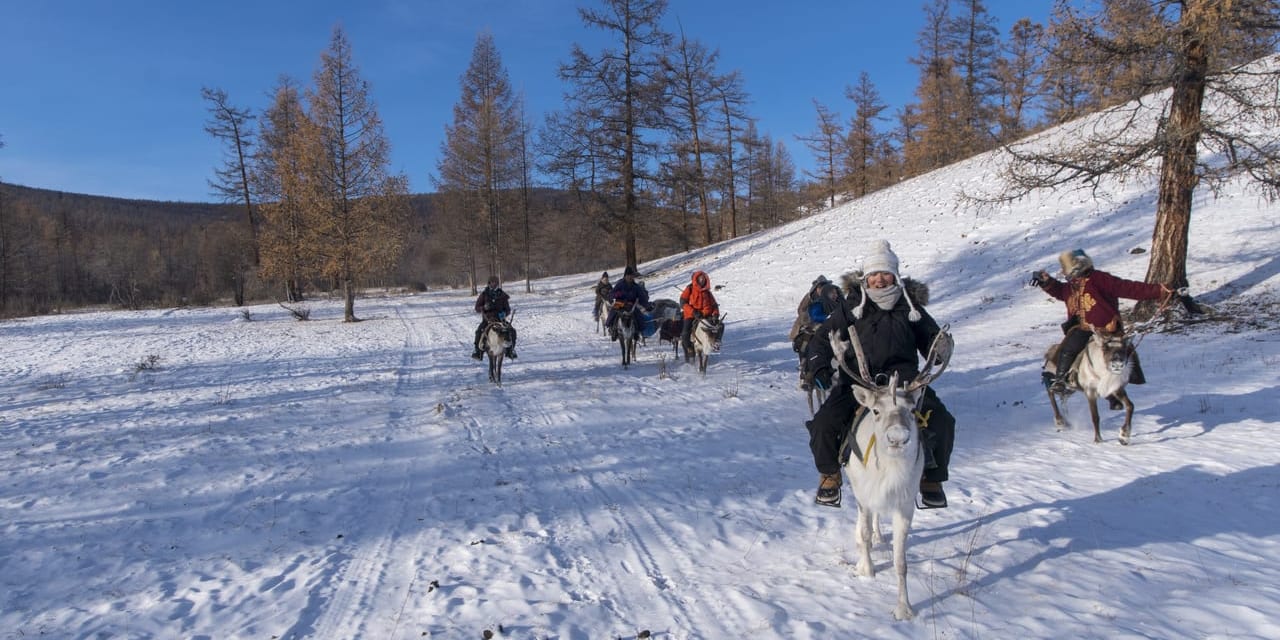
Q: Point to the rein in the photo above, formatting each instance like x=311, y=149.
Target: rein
x=1141, y=329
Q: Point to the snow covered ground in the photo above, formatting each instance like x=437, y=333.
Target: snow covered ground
x=190, y=474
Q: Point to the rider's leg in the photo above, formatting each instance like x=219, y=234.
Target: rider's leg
x=686, y=338
x=826, y=434
x=1074, y=342
x=479, y=334
x=511, y=350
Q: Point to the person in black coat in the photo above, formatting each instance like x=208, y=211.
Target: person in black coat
x=494, y=305
x=889, y=316
x=626, y=292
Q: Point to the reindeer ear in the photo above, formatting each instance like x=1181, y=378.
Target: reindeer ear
x=864, y=396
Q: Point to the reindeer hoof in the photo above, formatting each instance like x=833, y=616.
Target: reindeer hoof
x=903, y=613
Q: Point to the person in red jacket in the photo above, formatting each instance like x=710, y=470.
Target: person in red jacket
x=1093, y=304
x=696, y=301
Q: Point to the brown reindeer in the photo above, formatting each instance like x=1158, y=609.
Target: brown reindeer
x=1101, y=371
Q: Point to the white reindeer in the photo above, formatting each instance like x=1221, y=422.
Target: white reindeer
x=886, y=459
x=707, y=334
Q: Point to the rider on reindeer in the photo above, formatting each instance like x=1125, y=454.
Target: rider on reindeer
x=627, y=292
x=814, y=308
x=602, y=290
x=494, y=305
x=696, y=302
x=888, y=314
x=1093, y=304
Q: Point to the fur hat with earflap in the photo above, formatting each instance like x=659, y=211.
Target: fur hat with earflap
x=882, y=259
x=1075, y=263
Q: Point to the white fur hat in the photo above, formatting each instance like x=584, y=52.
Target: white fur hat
x=881, y=258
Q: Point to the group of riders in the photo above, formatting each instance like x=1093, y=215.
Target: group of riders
x=696, y=302
x=888, y=314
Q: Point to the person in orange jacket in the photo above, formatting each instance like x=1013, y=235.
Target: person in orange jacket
x=696, y=302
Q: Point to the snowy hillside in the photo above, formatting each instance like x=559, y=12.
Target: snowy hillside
x=191, y=474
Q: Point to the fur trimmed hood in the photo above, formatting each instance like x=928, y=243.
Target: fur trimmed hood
x=915, y=291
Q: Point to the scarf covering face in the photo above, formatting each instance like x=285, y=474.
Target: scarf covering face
x=886, y=297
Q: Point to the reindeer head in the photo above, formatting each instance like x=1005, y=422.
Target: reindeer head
x=713, y=327
x=1117, y=349
x=891, y=408
x=892, y=405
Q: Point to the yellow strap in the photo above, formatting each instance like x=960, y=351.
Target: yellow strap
x=871, y=446
x=922, y=419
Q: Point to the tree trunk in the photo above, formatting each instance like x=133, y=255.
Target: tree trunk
x=1169, y=241
x=349, y=292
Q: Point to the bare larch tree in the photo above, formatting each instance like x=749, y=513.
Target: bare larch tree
x=1199, y=48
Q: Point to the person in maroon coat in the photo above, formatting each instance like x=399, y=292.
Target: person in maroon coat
x=1093, y=304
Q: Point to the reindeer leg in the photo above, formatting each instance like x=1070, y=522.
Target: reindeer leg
x=865, y=566
x=901, y=525
x=1093, y=413
x=1128, y=415
x=1058, y=420
x=877, y=538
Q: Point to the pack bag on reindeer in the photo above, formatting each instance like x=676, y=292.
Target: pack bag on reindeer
x=1093, y=305
x=888, y=314
x=696, y=302
x=626, y=292
x=494, y=305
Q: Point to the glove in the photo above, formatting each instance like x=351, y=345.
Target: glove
x=822, y=378
x=502, y=315
x=697, y=315
x=1038, y=278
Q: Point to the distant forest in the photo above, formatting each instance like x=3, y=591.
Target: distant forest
x=71, y=250
x=653, y=153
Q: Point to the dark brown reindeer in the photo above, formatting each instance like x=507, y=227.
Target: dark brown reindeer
x=1100, y=371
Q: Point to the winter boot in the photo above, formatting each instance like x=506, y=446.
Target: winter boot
x=477, y=355
x=511, y=352
x=829, y=490
x=932, y=495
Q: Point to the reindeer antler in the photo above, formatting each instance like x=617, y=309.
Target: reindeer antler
x=939, y=357
x=839, y=347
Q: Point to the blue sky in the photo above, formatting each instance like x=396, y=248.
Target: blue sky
x=104, y=97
